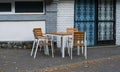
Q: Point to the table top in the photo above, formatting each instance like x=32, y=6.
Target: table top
x=59, y=33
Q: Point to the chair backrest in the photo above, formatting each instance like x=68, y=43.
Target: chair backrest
x=37, y=32
x=71, y=30
x=79, y=38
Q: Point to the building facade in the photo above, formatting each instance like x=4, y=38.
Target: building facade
x=98, y=18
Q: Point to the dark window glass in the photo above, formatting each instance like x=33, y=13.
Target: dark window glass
x=5, y=7
x=29, y=7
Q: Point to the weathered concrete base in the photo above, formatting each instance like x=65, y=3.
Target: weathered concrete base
x=16, y=44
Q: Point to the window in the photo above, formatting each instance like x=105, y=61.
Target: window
x=22, y=7
x=5, y=7
x=29, y=7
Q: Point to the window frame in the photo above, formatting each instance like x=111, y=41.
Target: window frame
x=13, y=7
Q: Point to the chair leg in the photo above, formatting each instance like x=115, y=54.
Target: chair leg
x=67, y=43
x=52, y=51
x=82, y=50
x=85, y=52
x=41, y=48
x=46, y=49
x=68, y=48
x=71, y=53
x=33, y=47
x=36, y=49
x=78, y=50
x=68, y=51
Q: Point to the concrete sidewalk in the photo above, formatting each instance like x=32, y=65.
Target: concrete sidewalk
x=19, y=60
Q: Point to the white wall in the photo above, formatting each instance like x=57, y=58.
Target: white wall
x=118, y=23
x=65, y=14
x=19, y=30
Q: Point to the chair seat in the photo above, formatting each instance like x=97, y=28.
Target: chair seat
x=44, y=44
x=78, y=45
x=42, y=37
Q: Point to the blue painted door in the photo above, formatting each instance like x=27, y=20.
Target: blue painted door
x=97, y=19
x=85, y=19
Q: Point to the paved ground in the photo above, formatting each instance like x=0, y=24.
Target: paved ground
x=110, y=64
x=100, y=59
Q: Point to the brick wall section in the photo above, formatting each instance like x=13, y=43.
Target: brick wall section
x=118, y=23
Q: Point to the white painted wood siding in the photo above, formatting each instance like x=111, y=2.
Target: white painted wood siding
x=118, y=23
x=65, y=15
x=19, y=30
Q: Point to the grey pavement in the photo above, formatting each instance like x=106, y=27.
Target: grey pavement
x=100, y=59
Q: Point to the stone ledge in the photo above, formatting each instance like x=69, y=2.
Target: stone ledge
x=16, y=44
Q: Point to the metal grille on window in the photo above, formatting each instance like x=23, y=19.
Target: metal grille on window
x=84, y=18
x=105, y=20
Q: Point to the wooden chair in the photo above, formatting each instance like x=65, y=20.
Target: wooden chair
x=70, y=31
x=79, y=40
x=35, y=38
x=40, y=40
